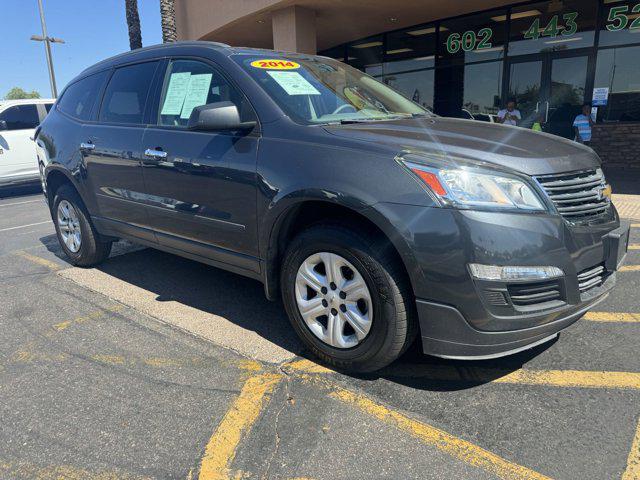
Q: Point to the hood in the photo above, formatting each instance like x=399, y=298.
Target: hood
x=514, y=148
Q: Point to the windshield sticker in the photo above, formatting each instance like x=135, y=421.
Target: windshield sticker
x=176, y=91
x=197, y=93
x=275, y=64
x=293, y=83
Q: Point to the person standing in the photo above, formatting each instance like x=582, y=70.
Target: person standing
x=582, y=125
x=510, y=115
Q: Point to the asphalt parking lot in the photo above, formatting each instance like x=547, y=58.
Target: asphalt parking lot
x=153, y=366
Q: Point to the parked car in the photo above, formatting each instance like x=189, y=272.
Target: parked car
x=486, y=117
x=373, y=219
x=18, y=120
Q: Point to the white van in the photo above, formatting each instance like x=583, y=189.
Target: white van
x=18, y=120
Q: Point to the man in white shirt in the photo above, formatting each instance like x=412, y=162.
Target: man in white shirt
x=510, y=115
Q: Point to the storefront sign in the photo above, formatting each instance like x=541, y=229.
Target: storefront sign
x=469, y=41
x=600, y=96
x=619, y=18
x=554, y=27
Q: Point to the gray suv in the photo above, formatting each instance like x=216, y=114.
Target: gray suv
x=374, y=220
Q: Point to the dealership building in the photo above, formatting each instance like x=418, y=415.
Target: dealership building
x=463, y=58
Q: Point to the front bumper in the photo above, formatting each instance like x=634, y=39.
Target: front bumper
x=470, y=319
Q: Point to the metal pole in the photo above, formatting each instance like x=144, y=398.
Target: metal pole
x=47, y=49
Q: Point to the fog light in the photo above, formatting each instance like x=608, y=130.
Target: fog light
x=493, y=272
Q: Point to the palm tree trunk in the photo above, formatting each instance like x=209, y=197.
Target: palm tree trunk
x=133, y=22
x=168, y=18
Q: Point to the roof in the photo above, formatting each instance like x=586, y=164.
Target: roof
x=26, y=100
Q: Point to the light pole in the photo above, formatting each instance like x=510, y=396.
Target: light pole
x=47, y=49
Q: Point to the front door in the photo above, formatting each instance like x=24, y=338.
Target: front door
x=550, y=89
x=201, y=186
x=17, y=151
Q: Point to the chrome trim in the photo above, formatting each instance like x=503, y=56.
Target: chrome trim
x=149, y=152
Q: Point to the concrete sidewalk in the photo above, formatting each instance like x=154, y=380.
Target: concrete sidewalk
x=628, y=206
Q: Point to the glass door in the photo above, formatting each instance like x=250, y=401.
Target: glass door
x=550, y=89
x=525, y=87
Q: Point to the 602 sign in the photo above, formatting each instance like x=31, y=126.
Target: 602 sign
x=469, y=41
x=619, y=18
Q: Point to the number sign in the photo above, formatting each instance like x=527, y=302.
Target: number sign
x=553, y=28
x=469, y=41
x=618, y=18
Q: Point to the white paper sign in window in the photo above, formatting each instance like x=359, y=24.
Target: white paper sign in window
x=197, y=93
x=293, y=83
x=176, y=92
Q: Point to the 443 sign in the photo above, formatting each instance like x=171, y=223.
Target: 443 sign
x=554, y=28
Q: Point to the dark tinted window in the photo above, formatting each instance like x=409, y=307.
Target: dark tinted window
x=125, y=97
x=189, y=84
x=48, y=106
x=78, y=99
x=21, y=117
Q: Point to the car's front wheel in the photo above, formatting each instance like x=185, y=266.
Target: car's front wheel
x=347, y=297
x=77, y=236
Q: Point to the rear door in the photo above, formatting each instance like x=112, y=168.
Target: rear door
x=18, y=160
x=202, y=185
x=112, y=149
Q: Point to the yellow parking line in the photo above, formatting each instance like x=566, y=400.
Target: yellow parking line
x=458, y=448
x=632, y=472
x=23, y=469
x=630, y=268
x=221, y=448
x=612, y=317
x=634, y=246
x=635, y=225
x=39, y=260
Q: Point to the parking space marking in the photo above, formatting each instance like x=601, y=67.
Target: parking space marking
x=19, y=203
x=634, y=246
x=39, y=260
x=612, y=317
x=630, y=268
x=632, y=472
x=635, y=225
x=237, y=423
x=24, y=226
x=23, y=469
x=461, y=449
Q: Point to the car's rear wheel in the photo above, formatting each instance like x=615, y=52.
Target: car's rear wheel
x=77, y=236
x=347, y=297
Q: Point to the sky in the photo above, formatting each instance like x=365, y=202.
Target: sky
x=92, y=29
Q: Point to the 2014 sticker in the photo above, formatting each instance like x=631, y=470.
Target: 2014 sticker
x=275, y=64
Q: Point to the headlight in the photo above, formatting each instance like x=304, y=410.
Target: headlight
x=473, y=188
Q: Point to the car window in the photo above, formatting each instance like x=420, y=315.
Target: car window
x=126, y=94
x=48, y=106
x=189, y=84
x=78, y=98
x=21, y=117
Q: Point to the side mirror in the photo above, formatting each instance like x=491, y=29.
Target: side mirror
x=3, y=125
x=217, y=116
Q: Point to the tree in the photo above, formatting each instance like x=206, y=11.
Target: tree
x=168, y=19
x=17, y=93
x=133, y=23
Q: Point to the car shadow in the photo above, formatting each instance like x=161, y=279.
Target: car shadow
x=20, y=190
x=241, y=300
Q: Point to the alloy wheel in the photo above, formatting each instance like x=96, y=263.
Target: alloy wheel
x=69, y=225
x=334, y=300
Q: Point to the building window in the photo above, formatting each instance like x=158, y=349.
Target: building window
x=367, y=55
x=620, y=23
x=482, y=89
x=617, y=70
x=552, y=26
x=475, y=38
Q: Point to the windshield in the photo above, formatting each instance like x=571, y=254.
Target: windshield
x=320, y=90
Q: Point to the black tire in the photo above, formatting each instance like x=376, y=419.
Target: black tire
x=92, y=250
x=394, y=325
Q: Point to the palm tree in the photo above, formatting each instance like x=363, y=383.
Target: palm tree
x=133, y=22
x=168, y=18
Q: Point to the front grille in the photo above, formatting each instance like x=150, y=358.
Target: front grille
x=528, y=294
x=577, y=196
x=591, y=278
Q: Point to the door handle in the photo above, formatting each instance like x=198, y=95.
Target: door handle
x=154, y=153
x=87, y=146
